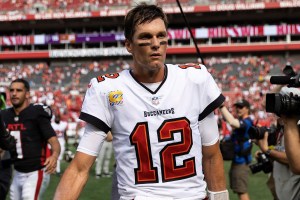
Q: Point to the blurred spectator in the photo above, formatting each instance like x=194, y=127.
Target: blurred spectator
x=5, y=161
x=60, y=128
x=239, y=170
x=104, y=157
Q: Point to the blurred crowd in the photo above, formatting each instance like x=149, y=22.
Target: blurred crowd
x=62, y=86
x=41, y=6
x=59, y=86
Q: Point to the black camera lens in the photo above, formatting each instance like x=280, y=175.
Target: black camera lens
x=257, y=132
x=282, y=104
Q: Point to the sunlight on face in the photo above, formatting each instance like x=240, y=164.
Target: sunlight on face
x=18, y=94
x=149, y=45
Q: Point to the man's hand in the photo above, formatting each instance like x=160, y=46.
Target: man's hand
x=50, y=164
x=7, y=141
x=263, y=143
x=293, y=119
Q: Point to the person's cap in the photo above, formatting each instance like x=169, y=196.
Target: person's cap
x=242, y=103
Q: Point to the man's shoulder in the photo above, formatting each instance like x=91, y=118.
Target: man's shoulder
x=186, y=66
x=7, y=112
x=191, y=68
x=245, y=122
x=106, y=79
x=248, y=120
x=38, y=110
x=195, y=73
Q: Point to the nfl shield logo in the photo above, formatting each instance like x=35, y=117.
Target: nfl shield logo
x=16, y=118
x=155, y=100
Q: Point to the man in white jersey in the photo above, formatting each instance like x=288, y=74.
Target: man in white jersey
x=104, y=157
x=60, y=128
x=165, y=135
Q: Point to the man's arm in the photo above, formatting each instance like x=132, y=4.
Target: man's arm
x=51, y=161
x=213, y=168
x=274, y=154
x=229, y=117
x=66, y=137
x=75, y=177
x=212, y=158
x=77, y=173
x=292, y=142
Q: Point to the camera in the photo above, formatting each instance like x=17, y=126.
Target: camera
x=288, y=103
x=263, y=164
x=259, y=133
x=282, y=104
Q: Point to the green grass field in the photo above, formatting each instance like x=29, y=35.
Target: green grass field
x=99, y=189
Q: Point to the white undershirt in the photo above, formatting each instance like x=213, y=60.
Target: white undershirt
x=152, y=86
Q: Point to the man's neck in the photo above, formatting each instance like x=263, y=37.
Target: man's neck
x=21, y=108
x=245, y=116
x=149, y=76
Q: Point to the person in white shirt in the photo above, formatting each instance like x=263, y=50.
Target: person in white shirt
x=104, y=158
x=165, y=135
x=60, y=128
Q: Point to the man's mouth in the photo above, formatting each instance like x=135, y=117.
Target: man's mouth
x=155, y=55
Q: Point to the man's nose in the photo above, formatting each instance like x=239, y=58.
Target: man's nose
x=155, y=42
x=13, y=92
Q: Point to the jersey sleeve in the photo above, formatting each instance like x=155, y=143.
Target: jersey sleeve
x=210, y=94
x=94, y=109
x=91, y=141
x=208, y=128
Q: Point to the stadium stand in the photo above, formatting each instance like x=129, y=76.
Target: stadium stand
x=60, y=45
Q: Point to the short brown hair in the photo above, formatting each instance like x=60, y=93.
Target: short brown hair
x=141, y=14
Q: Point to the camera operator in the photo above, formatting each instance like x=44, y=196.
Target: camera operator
x=292, y=142
x=287, y=184
x=291, y=131
x=239, y=170
x=286, y=104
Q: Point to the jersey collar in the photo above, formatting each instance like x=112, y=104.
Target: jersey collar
x=157, y=89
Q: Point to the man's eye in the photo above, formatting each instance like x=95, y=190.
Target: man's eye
x=161, y=36
x=145, y=38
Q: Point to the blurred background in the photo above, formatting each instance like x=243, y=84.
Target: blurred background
x=59, y=45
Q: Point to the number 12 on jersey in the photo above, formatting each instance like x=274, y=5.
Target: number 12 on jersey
x=146, y=172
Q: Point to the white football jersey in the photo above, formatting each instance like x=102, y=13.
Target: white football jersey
x=157, y=142
x=59, y=128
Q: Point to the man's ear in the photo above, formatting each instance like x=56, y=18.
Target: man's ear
x=128, y=45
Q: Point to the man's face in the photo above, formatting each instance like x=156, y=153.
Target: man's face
x=242, y=111
x=149, y=45
x=18, y=94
